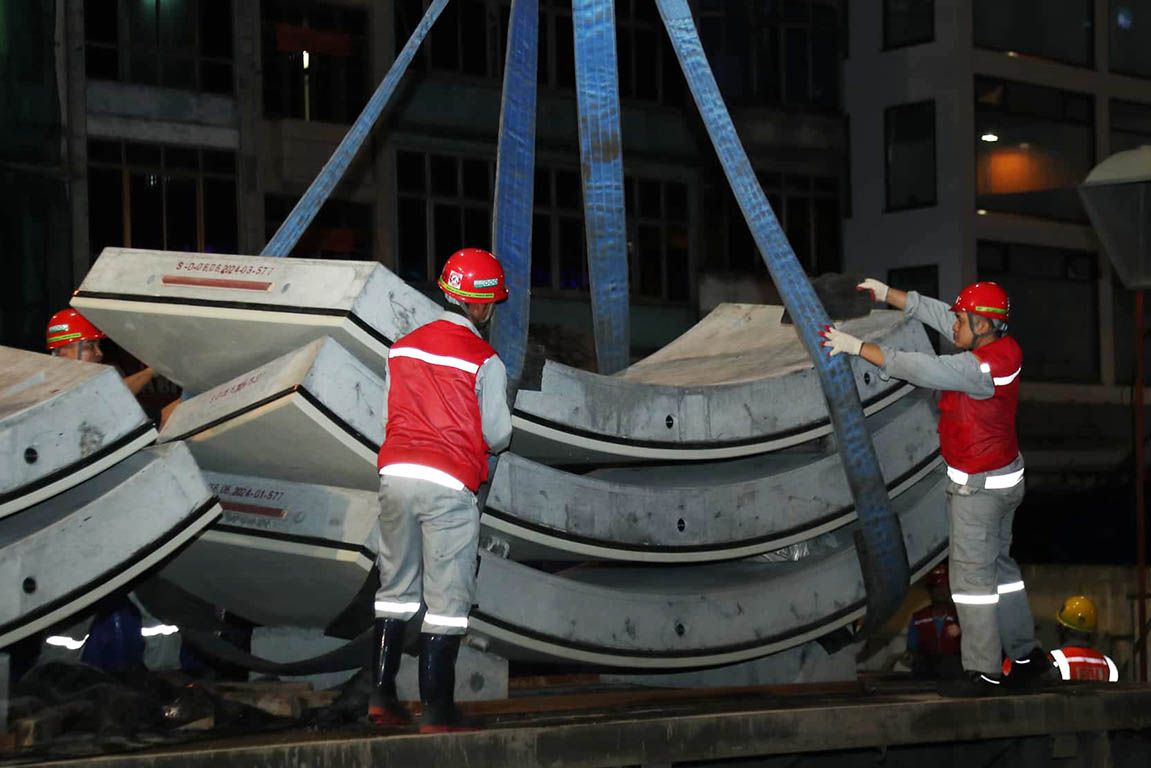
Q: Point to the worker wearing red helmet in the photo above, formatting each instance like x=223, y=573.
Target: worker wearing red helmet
x=933, y=632
x=446, y=410
x=980, y=387
x=71, y=335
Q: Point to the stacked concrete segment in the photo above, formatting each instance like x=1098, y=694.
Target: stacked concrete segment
x=727, y=421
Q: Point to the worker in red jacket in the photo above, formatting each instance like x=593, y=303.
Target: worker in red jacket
x=446, y=409
x=933, y=631
x=980, y=388
x=1076, y=659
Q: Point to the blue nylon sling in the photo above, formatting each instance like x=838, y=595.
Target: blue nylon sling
x=879, y=539
x=515, y=183
x=309, y=205
x=601, y=161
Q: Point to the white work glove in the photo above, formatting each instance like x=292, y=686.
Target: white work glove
x=839, y=341
x=877, y=289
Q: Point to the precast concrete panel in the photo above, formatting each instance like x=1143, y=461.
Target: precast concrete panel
x=63, y=554
x=61, y=422
x=676, y=618
x=739, y=383
x=282, y=553
x=200, y=319
x=313, y=415
x=700, y=512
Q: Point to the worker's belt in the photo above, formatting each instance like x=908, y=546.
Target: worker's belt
x=985, y=480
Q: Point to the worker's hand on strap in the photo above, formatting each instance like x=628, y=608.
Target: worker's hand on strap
x=877, y=289
x=837, y=341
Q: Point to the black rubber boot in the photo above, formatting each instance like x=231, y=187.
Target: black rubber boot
x=384, y=708
x=438, y=684
x=1035, y=670
x=972, y=685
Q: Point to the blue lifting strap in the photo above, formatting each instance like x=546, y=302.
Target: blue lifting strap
x=515, y=183
x=879, y=539
x=309, y=205
x=601, y=159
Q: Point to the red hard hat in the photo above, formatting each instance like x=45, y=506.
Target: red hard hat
x=68, y=327
x=937, y=576
x=986, y=299
x=475, y=276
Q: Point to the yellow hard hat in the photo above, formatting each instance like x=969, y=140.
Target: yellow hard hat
x=1079, y=613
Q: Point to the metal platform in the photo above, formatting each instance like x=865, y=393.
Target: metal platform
x=795, y=726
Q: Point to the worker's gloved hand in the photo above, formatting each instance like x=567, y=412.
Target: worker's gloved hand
x=838, y=341
x=877, y=289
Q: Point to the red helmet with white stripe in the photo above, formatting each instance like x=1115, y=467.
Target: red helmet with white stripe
x=984, y=298
x=473, y=275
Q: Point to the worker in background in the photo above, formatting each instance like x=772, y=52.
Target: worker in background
x=933, y=632
x=71, y=335
x=445, y=410
x=977, y=438
x=1076, y=659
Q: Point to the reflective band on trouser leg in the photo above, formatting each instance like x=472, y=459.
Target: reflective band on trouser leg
x=393, y=610
x=1113, y=676
x=974, y=599
x=434, y=619
x=1015, y=586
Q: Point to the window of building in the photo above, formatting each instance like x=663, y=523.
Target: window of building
x=658, y=239
x=1049, y=288
x=775, y=53
x=1130, y=125
x=1130, y=22
x=444, y=204
x=315, y=60
x=1063, y=31
x=559, y=251
x=1033, y=145
x=174, y=43
x=909, y=152
x=924, y=280
x=908, y=22
x=807, y=208
x=341, y=229
x=163, y=197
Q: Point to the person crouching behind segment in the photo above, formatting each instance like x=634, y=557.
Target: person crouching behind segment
x=977, y=438
x=445, y=410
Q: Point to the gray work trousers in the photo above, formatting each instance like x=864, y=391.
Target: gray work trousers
x=427, y=552
x=986, y=584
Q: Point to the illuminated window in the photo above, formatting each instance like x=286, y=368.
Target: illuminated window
x=1045, y=145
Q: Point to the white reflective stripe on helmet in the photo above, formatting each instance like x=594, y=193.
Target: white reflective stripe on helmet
x=446, y=621
x=958, y=476
x=387, y=606
x=1061, y=662
x=985, y=367
x=1015, y=586
x=1002, y=381
x=1010, y=480
x=962, y=599
x=1114, y=676
x=428, y=357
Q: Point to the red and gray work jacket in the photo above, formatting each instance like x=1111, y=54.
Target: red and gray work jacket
x=978, y=436
x=928, y=636
x=433, y=413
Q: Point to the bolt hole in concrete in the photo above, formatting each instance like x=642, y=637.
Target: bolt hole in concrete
x=867, y=378
x=29, y=585
x=680, y=629
x=285, y=288
x=31, y=455
x=680, y=524
x=476, y=682
x=669, y=421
